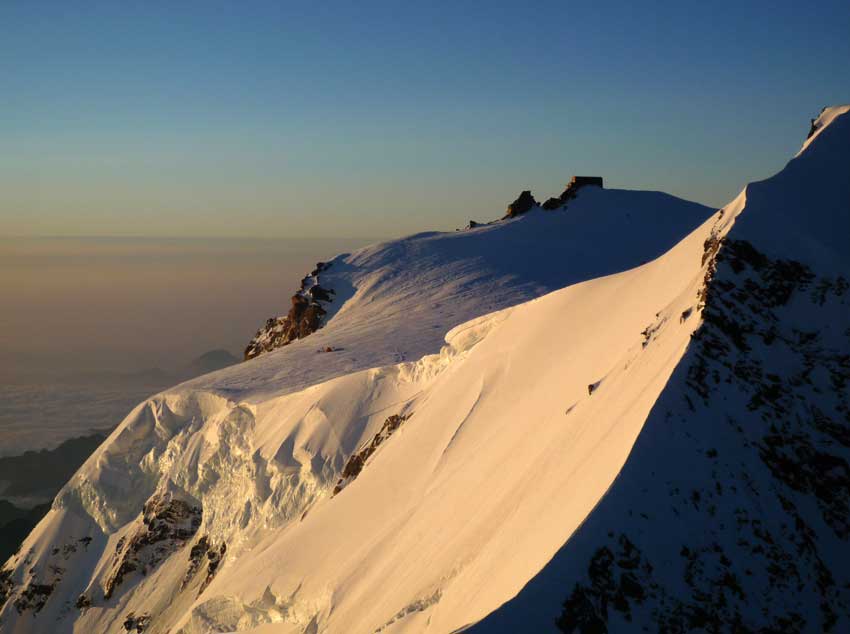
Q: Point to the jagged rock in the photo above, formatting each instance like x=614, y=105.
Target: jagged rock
x=794, y=458
x=6, y=585
x=614, y=581
x=552, y=203
x=214, y=556
x=814, y=127
x=196, y=559
x=34, y=596
x=83, y=602
x=321, y=294
x=167, y=524
x=357, y=461
x=137, y=623
x=204, y=551
x=576, y=183
x=304, y=316
x=524, y=202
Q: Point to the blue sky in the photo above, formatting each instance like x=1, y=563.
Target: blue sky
x=382, y=118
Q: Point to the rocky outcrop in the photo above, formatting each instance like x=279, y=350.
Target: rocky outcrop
x=356, y=462
x=7, y=586
x=32, y=592
x=82, y=603
x=136, y=623
x=814, y=126
x=214, y=558
x=552, y=203
x=524, y=202
x=304, y=316
x=768, y=483
x=576, y=183
x=168, y=522
x=204, y=552
x=34, y=595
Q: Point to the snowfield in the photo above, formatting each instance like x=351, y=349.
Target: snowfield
x=632, y=413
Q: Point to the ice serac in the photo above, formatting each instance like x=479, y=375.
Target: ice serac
x=580, y=419
x=208, y=474
x=732, y=512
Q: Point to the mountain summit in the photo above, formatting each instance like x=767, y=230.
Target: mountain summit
x=627, y=415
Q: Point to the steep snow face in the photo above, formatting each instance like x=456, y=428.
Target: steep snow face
x=354, y=490
x=395, y=301
x=201, y=475
x=503, y=451
x=732, y=512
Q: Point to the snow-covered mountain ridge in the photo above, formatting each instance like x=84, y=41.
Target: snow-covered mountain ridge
x=459, y=476
x=731, y=513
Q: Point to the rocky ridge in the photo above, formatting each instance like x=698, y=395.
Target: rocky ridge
x=304, y=316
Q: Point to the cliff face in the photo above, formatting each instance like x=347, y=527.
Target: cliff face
x=198, y=478
x=630, y=415
x=731, y=513
x=304, y=317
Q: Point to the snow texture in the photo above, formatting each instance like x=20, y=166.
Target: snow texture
x=662, y=443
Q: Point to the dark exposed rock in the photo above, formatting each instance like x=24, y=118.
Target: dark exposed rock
x=552, y=203
x=320, y=294
x=621, y=579
x=613, y=583
x=138, y=624
x=304, y=316
x=773, y=505
x=571, y=190
x=82, y=603
x=6, y=585
x=197, y=554
x=524, y=202
x=204, y=551
x=167, y=524
x=812, y=129
x=576, y=183
x=34, y=596
x=357, y=461
x=214, y=558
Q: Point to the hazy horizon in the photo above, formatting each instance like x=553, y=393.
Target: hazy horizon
x=126, y=304
x=288, y=121
x=89, y=317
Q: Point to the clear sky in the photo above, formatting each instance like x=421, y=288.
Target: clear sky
x=290, y=119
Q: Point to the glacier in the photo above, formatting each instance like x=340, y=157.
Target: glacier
x=628, y=414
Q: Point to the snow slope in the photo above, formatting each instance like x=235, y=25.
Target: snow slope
x=395, y=301
x=509, y=388
x=733, y=510
x=356, y=491
x=250, y=448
